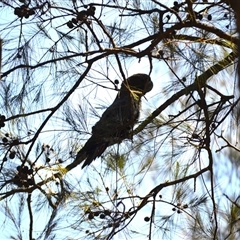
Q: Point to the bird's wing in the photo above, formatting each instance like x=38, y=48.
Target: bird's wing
x=121, y=115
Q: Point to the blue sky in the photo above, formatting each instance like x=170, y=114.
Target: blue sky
x=97, y=97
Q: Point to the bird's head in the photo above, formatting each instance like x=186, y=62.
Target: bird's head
x=139, y=83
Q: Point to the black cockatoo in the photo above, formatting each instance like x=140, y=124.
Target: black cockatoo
x=116, y=123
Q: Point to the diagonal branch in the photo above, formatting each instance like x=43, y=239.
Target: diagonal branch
x=199, y=82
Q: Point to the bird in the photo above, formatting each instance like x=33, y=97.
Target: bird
x=118, y=120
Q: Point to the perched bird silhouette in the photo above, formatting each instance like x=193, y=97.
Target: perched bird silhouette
x=116, y=123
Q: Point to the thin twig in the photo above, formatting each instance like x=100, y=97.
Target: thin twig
x=30, y=216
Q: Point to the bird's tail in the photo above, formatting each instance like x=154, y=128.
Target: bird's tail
x=89, y=152
x=81, y=156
